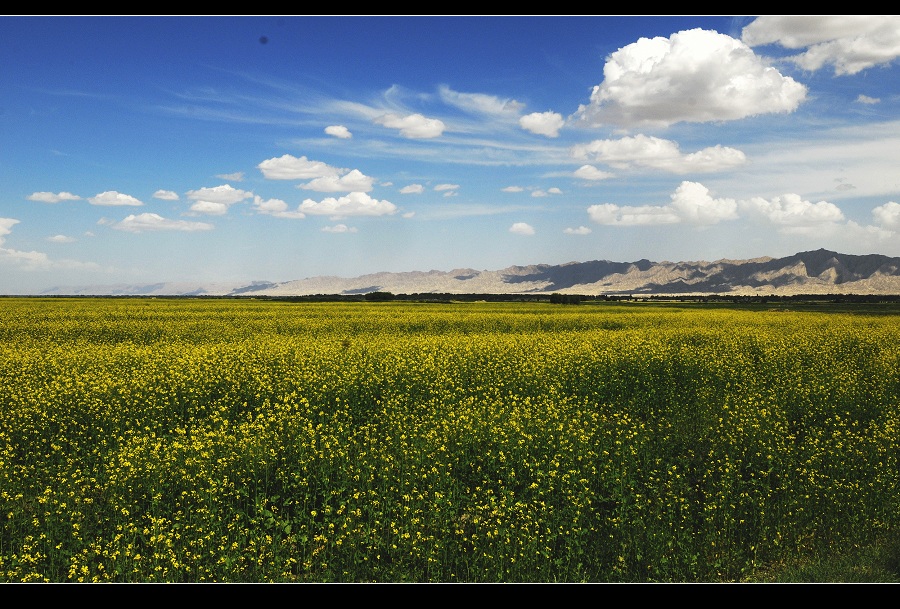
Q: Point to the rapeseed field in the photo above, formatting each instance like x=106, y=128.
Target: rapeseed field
x=195, y=440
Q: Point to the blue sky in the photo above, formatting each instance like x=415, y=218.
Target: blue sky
x=273, y=148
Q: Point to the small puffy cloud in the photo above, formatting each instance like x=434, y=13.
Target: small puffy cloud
x=791, y=213
x=581, y=230
x=275, y=207
x=350, y=182
x=888, y=215
x=6, y=225
x=850, y=43
x=166, y=195
x=237, y=176
x=112, y=198
x=479, y=103
x=412, y=126
x=225, y=193
x=643, y=151
x=216, y=200
x=31, y=260
x=449, y=190
x=338, y=131
x=865, y=99
x=538, y=193
x=60, y=239
x=289, y=167
x=154, y=222
x=643, y=215
x=513, y=189
x=412, y=189
x=521, y=228
x=691, y=204
x=692, y=76
x=339, y=228
x=591, y=173
x=543, y=123
x=554, y=191
x=353, y=204
x=51, y=197
x=210, y=208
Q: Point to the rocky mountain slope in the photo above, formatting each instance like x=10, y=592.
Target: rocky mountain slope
x=814, y=272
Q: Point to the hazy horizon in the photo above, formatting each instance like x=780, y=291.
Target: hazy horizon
x=241, y=149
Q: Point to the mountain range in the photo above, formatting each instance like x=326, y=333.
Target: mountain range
x=812, y=272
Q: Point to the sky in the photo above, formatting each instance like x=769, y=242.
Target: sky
x=272, y=148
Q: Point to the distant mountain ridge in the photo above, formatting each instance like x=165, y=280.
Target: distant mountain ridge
x=812, y=272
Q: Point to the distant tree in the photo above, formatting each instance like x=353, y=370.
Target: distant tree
x=379, y=296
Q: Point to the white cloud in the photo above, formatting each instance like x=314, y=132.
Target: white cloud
x=61, y=239
x=6, y=225
x=554, y=191
x=111, y=197
x=543, y=123
x=888, y=215
x=154, y=222
x=653, y=152
x=238, y=176
x=865, y=99
x=33, y=260
x=210, y=208
x=791, y=213
x=275, y=207
x=614, y=215
x=353, y=204
x=355, y=181
x=289, y=167
x=413, y=126
x=850, y=43
x=412, y=189
x=521, y=228
x=50, y=197
x=338, y=131
x=441, y=187
x=166, y=195
x=581, y=230
x=339, y=228
x=217, y=199
x=691, y=203
x=538, y=193
x=513, y=189
x=694, y=76
x=589, y=172
x=479, y=102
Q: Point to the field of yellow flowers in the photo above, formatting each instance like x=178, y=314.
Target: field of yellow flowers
x=188, y=440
